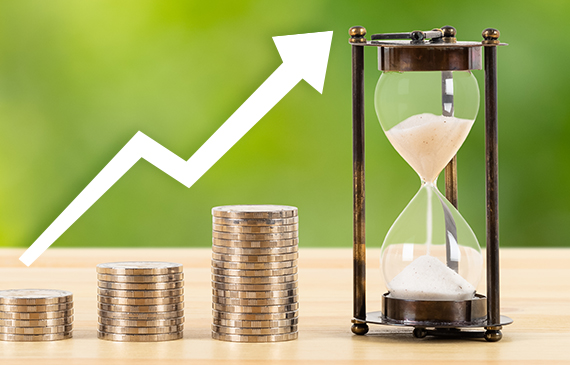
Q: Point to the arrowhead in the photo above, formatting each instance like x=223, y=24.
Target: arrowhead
x=307, y=54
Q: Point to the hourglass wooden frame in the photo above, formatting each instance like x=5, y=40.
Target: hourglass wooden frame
x=441, y=53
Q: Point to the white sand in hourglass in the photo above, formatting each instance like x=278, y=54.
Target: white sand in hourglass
x=427, y=278
x=428, y=142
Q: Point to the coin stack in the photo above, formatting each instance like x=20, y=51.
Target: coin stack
x=35, y=315
x=254, y=273
x=140, y=301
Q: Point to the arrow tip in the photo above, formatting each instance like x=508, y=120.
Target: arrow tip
x=308, y=54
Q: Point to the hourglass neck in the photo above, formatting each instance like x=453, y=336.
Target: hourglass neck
x=428, y=183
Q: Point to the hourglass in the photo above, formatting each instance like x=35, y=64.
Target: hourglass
x=427, y=100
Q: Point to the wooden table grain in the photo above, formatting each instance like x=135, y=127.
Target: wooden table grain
x=535, y=292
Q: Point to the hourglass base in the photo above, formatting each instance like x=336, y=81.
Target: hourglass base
x=439, y=318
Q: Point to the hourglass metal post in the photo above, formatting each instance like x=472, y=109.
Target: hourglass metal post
x=442, y=53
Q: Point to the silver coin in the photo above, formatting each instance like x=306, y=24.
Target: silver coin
x=254, y=273
x=255, y=258
x=254, y=211
x=254, y=279
x=255, y=229
x=255, y=338
x=254, y=287
x=36, y=322
x=36, y=330
x=147, y=294
x=36, y=315
x=255, y=222
x=34, y=338
x=139, y=338
x=34, y=296
x=140, y=330
x=141, y=286
x=254, y=316
x=255, y=294
x=140, y=301
x=140, y=308
x=255, y=324
x=255, y=236
x=36, y=308
x=139, y=268
x=236, y=265
x=140, y=316
x=254, y=331
x=140, y=278
x=254, y=302
x=141, y=323
x=262, y=309
x=255, y=244
x=254, y=251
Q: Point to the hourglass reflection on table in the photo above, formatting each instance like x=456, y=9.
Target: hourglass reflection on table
x=427, y=100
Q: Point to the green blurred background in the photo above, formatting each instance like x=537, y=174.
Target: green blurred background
x=79, y=78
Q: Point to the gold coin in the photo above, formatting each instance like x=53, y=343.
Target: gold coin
x=141, y=323
x=255, y=229
x=140, y=293
x=254, y=331
x=140, y=316
x=256, y=324
x=139, y=338
x=255, y=236
x=36, y=315
x=255, y=258
x=139, y=268
x=140, y=308
x=236, y=265
x=255, y=294
x=254, y=273
x=254, y=251
x=254, y=316
x=254, y=211
x=35, y=296
x=254, y=338
x=36, y=330
x=140, y=278
x=255, y=222
x=255, y=279
x=254, y=302
x=263, y=309
x=36, y=308
x=30, y=338
x=36, y=322
x=254, y=287
x=140, y=330
x=255, y=244
x=140, y=301
x=141, y=286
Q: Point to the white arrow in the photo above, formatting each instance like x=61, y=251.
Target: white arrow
x=305, y=56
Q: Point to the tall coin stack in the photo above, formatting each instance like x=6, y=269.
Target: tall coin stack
x=254, y=273
x=35, y=315
x=140, y=301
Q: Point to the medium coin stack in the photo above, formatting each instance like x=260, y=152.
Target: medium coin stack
x=140, y=301
x=254, y=273
x=35, y=315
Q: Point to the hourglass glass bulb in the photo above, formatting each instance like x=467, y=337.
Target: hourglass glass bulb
x=430, y=252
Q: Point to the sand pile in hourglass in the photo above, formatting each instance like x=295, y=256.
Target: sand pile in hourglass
x=428, y=142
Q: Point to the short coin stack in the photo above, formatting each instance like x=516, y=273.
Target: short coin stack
x=140, y=301
x=254, y=273
x=35, y=315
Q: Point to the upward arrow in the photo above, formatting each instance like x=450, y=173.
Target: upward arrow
x=305, y=56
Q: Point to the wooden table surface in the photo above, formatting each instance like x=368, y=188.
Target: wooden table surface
x=535, y=293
